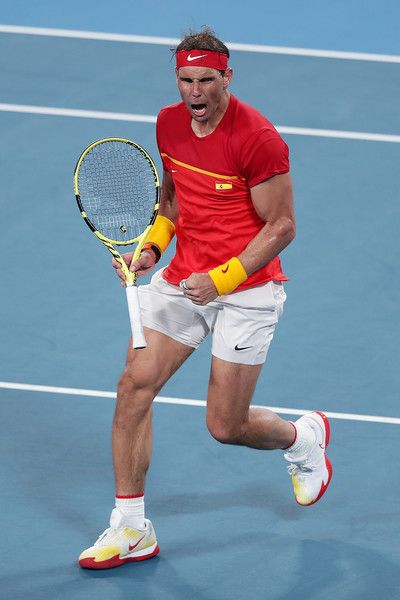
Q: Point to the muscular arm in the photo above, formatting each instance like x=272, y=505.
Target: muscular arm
x=273, y=201
x=168, y=202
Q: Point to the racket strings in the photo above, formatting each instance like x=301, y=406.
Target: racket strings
x=117, y=190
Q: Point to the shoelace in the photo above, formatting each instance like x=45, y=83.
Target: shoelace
x=110, y=532
x=299, y=469
x=104, y=535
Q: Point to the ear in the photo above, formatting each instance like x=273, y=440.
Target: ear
x=227, y=77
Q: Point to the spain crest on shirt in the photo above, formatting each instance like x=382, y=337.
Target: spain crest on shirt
x=223, y=186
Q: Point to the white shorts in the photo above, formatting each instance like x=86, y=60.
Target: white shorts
x=242, y=323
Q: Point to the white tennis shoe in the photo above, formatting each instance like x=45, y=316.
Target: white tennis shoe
x=120, y=544
x=311, y=474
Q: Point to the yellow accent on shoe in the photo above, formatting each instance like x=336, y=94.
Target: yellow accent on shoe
x=299, y=493
x=131, y=532
x=100, y=554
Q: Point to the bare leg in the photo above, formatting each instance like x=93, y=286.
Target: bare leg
x=231, y=420
x=145, y=373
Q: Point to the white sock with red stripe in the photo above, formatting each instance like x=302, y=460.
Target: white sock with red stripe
x=303, y=442
x=132, y=509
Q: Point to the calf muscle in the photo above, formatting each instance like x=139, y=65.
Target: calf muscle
x=146, y=371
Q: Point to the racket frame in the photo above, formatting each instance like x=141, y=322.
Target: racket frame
x=138, y=339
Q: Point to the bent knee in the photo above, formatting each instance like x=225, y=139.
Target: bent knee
x=134, y=396
x=133, y=383
x=225, y=433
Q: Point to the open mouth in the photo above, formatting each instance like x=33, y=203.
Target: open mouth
x=199, y=109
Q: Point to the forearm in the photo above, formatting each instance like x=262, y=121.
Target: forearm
x=267, y=244
x=163, y=229
x=225, y=278
x=168, y=202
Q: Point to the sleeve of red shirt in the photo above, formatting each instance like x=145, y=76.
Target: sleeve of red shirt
x=159, y=135
x=264, y=154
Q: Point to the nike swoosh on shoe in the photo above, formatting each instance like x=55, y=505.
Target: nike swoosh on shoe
x=137, y=544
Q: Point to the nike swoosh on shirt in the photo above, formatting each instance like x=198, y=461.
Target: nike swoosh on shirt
x=137, y=543
x=190, y=58
x=225, y=270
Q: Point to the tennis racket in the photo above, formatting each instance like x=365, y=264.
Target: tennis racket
x=117, y=189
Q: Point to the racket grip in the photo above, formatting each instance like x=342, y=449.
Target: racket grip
x=132, y=296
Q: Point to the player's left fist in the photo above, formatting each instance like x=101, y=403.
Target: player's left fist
x=199, y=288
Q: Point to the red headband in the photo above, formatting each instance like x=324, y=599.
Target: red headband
x=201, y=58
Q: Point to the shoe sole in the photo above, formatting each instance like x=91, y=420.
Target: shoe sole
x=116, y=561
x=324, y=486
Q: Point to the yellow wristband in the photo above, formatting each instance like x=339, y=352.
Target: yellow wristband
x=228, y=276
x=161, y=233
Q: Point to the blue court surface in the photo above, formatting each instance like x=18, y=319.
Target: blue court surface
x=225, y=516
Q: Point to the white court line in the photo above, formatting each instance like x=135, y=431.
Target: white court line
x=113, y=116
x=344, y=135
x=187, y=402
x=165, y=41
x=72, y=112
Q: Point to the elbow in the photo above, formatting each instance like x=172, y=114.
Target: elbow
x=286, y=230
x=292, y=232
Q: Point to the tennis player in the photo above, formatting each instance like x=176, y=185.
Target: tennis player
x=227, y=197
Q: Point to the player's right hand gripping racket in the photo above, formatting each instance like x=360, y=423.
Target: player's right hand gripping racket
x=117, y=189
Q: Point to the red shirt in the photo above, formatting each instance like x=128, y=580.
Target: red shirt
x=212, y=177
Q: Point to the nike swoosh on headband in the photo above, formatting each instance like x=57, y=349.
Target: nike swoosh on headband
x=190, y=58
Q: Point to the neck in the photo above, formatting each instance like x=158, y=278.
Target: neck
x=203, y=128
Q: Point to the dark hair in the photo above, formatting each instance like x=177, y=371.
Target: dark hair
x=202, y=40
